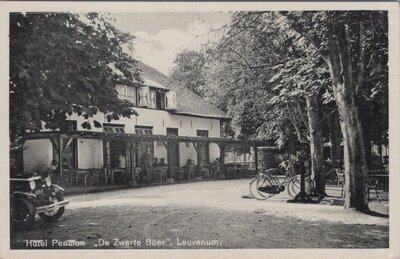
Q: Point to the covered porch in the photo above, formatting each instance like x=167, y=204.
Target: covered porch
x=129, y=159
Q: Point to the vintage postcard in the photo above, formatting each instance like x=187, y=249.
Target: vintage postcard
x=200, y=130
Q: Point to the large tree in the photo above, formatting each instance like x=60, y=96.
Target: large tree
x=64, y=63
x=346, y=42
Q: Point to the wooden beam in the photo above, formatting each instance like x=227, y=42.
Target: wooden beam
x=108, y=157
x=61, y=161
x=256, y=158
x=103, y=135
x=195, y=145
x=68, y=143
x=222, y=157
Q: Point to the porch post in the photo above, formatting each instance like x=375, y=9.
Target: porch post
x=222, y=157
x=256, y=158
x=61, y=160
x=133, y=155
x=108, y=160
x=169, y=158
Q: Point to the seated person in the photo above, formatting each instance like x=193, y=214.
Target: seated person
x=155, y=162
x=189, y=168
x=204, y=171
x=162, y=162
x=216, y=167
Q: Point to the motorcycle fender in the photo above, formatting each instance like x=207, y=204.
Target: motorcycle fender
x=24, y=194
x=56, y=188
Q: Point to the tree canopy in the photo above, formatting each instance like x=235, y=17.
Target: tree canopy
x=65, y=63
x=286, y=76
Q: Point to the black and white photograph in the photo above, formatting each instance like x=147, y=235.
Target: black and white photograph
x=201, y=129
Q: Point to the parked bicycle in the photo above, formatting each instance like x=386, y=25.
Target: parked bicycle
x=267, y=184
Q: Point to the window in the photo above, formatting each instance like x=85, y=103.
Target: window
x=143, y=96
x=126, y=93
x=152, y=99
x=170, y=100
x=113, y=128
x=202, y=133
x=160, y=100
x=131, y=94
x=68, y=125
x=172, y=132
x=143, y=130
x=121, y=89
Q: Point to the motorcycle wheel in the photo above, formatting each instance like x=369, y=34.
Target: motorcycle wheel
x=22, y=213
x=55, y=214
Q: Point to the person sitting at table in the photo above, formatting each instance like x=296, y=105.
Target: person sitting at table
x=155, y=162
x=204, y=171
x=162, y=162
x=216, y=168
x=189, y=168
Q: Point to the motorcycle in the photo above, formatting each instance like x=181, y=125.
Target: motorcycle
x=32, y=195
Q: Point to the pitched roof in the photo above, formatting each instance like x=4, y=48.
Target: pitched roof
x=188, y=102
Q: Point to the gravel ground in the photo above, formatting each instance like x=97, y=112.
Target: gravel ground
x=203, y=215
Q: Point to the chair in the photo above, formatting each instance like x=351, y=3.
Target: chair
x=157, y=174
x=136, y=174
x=373, y=184
x=118, y=176
x=79, y=173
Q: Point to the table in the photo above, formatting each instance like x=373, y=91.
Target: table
x=382, y=178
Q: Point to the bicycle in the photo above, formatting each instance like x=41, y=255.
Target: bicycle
x=266, y=184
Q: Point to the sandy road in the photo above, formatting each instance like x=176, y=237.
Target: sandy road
x=204, y=215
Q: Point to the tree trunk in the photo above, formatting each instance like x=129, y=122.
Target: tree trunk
x=336, y=139
x=316, y=144
x=340, y=68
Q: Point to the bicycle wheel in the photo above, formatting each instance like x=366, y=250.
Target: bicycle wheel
x=264, y=183
x=253, y=186
x=293, y=186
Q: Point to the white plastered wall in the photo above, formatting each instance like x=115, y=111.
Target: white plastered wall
x=38, y=154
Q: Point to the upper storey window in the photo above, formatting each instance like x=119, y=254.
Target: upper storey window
x=148, y=97
x=152, y=99
x=127, y=93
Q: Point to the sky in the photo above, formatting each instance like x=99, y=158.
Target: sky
x=160, y=36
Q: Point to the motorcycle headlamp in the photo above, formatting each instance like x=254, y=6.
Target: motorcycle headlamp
x=48, y=181
x=32, y=185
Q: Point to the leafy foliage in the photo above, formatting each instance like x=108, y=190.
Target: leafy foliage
x=188, y=71
x=64, y=63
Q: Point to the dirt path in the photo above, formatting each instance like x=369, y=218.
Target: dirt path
x=199, y=227
x=204, y=215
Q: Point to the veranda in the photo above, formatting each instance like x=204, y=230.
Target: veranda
x=132, y=171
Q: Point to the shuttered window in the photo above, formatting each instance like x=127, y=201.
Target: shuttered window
x=170, y=100
x=143, y=96
x=126, y=93
x=152, y=99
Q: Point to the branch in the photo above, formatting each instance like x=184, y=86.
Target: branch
x=302, y=117
x=251, y=22
x=296, y=126
x=249, y=66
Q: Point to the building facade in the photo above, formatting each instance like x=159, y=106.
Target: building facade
x=163, y=110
